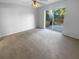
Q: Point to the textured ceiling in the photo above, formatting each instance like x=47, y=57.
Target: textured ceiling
x=16, y=1
x=28, y=2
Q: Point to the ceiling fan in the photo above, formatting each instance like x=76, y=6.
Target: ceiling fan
x=40, y=2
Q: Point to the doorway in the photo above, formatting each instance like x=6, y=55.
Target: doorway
x=55, y=19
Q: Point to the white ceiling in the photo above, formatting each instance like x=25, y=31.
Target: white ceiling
x=28, y=2
x=48, y=1
x=16, y=1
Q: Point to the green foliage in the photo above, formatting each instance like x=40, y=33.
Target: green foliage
x=59, y=12
x=59, y=16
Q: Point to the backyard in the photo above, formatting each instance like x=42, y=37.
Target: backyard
x=55, y=19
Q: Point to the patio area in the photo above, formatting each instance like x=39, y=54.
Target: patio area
x=57, y=28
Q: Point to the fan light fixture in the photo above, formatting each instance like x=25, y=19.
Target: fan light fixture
x=34, y=4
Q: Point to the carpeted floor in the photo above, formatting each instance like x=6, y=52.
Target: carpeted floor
x=39, y=44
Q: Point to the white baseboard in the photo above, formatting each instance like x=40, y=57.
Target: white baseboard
x=71, y=35
x=7, y=34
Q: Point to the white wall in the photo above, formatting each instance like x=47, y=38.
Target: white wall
x=71, y=21
x=15, y=18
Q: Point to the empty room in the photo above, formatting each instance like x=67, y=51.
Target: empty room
x=39, y=29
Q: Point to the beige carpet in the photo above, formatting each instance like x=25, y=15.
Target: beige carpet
x=38, y=44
